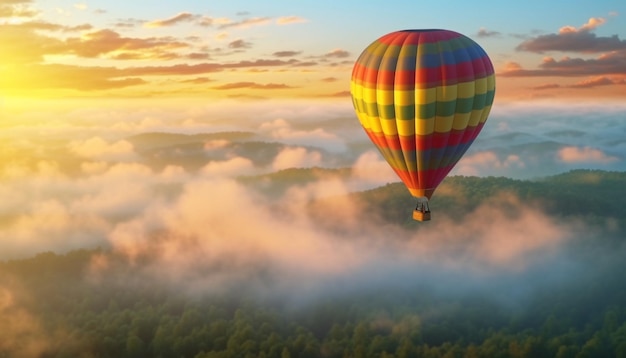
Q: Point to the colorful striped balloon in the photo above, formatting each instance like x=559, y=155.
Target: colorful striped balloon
x=422, y=97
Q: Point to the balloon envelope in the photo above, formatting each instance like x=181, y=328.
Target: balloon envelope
x=422, y=97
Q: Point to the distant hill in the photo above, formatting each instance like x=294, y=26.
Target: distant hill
x=274, y=184
x=151, y=140
x=193, y=151
x=592, y=195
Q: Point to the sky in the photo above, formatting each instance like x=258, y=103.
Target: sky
x=67, y=50
x=82, y=82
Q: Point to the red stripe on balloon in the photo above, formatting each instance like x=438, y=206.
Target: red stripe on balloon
x=418, y=37
x=423, y=77
x=425, y=142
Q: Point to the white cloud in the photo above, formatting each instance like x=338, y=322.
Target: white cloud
x=222, y=229
x=296, y=158
x=216, y=144
x=220, y=224
x=50, y=225
x=480, y=163
x=281, y=130
x=574, y=154
x=371, y=168
x=94, y=167
x=57, y=213
x=229, y=168
x=23, y=333
x=98, y=148
x=112, y=186
x=502, y=232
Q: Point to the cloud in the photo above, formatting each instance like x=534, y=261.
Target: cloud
x=512, y=66
x=35, y=25
x=258, y=240
x=296, y=158
x=287, y=20
x=337, y=53
x=17, y=2
x=547, y=86
x=608, y=64
x=610, y=53
x=198, y=80
x=50, y=225
x=70, y=77
x=280, y=129
x=128, y=23
x=55, y=212
x=244, y=24
x=100, y=78
x=339, y=94
x=22, y=334
x=506, y=233
x=229, y=168
x=33, y=44
x=22, y=44
x=103, y=42
x=588, y=26
x=17, y=8
x=174, y=20
x=476, y=163
x=280, y=247
x=198, y=56
x=599, y=81
x=574, y=154
x=253, y=85
x=286, y=53
x=98, y=193
x=571, y=39
x=98, y=148
x=27, y=45
x=237, y=44
x=487, y=33
x=372, y=169
x=204, y=232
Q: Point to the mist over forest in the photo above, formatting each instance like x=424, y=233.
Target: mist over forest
x=217, y=233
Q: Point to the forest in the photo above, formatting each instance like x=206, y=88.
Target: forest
x=573, y=306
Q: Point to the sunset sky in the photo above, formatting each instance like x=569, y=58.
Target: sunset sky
x=209, y=50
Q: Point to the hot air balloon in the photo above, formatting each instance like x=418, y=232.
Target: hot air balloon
x=422, y=97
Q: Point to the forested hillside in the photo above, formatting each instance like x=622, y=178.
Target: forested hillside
x=53, y=305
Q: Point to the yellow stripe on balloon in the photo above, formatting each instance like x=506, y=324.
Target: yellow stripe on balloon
x=476, y=117
x=403, y=98
x=485, y=114
x=423, y=96
x=369, y=95
x=467, y=89
x=389, y=126
x=446, y=93
x=424, y=126
x=406, y=128
x=461, y=120
x=443, y=124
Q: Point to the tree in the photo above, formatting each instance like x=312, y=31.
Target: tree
x=135, y=347
x=285, y=353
